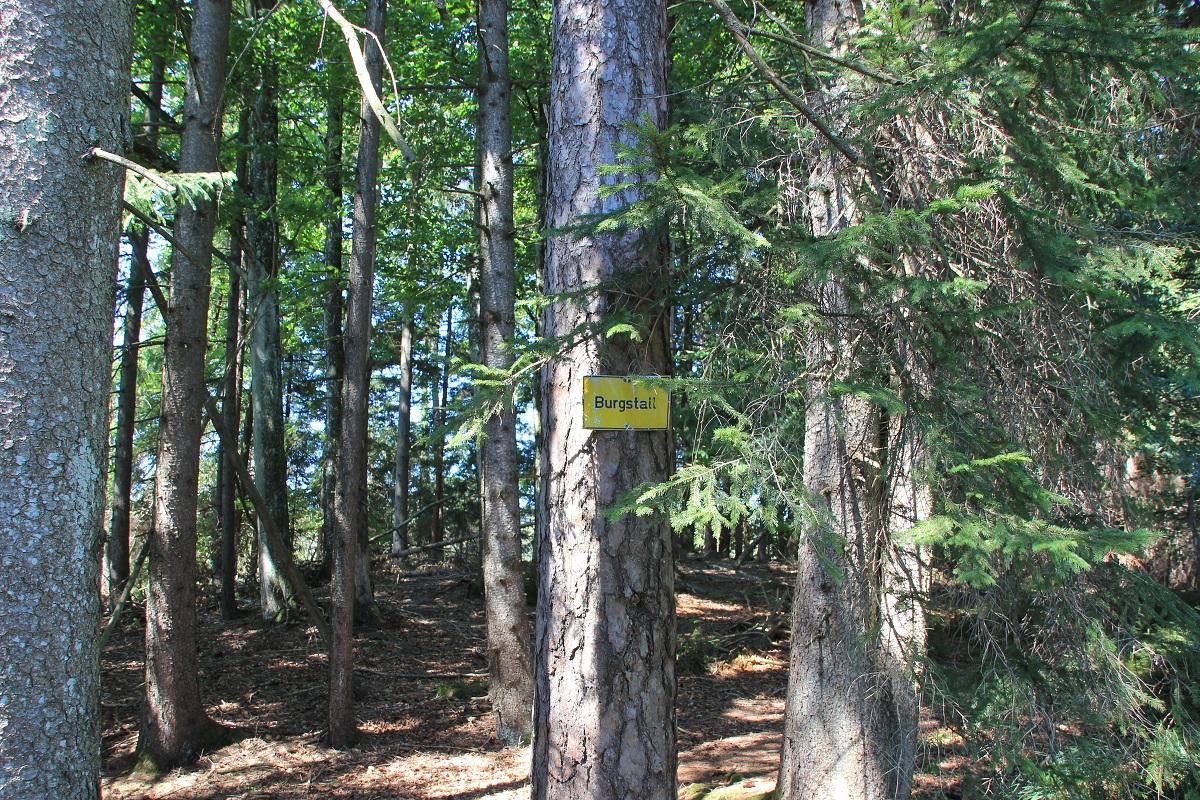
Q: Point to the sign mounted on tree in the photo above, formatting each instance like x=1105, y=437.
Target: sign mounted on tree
x=612, y=403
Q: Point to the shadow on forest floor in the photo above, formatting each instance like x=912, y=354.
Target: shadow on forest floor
x=270, y=682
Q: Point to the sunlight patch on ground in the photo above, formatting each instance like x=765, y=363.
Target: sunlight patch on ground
x=767, y=712
x=753, y=755
x=691, y=606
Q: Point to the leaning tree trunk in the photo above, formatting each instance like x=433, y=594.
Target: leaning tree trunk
x=331, y=318
x=352, y=461
x=66, y=70
x=851, y=716
x=266, y=381
x=510, y=653
x=604, y=719
x=176, y=727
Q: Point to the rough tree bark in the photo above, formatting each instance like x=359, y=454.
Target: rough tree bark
x=266, y=375
x=604, y=724
x=176, y=726
x=331, y=319
x=510, y=652
x=852, y=708
x=64, y=89
x=352, y=461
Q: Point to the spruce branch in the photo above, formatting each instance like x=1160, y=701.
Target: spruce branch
x=852, y=154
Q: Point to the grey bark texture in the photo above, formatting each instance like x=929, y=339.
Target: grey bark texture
x=352, y=460
x=852, y=707
x=510, y=647
x=176, y=727
x=604, y=718
x=266, y=377
x=64, y=77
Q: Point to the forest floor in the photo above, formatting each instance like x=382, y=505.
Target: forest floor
x=427, y=732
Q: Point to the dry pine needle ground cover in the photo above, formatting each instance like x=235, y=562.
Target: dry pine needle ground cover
x=427, y=733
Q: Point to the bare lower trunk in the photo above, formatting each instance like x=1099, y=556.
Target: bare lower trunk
x=510, y=654
x=332, y=322
x=403, y=427
x=118, y=535
x=437, y=422
x=266, y=382
x=227, y=487
x=352, y=462
x=231, y=401
x=852, y=708
x=176, y=727
x=604, y=720
x=66, y=70
x=139, y=241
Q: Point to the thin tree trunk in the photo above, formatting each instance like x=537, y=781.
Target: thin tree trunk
x=231, y=401
x=510, y=651
x=231, y=518
x=438, y=422
x=403, y=428
x=352, y=473
x=118, y=536
x=246, y=439
x=710, y=541
x=176, y=727
x=66, y=70
x=139, y=240
x=604, y=720
x=332, y=321
x=266, y=381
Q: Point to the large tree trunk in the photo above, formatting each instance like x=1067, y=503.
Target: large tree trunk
x=604, y=719
x=852, y=707
x=510, y=652
x=331, y=320
x=403, y=429
x=176, y=727
x=352, y=472
x=266, y=381
x=66, y=70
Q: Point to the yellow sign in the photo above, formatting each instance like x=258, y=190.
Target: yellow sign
x=617, y=404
